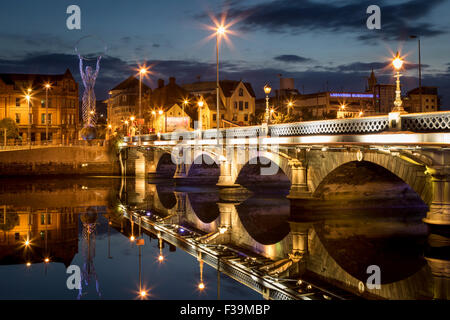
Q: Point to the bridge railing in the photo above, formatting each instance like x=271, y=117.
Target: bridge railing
x=426, y=122
x=416, y=122
x=336, y=126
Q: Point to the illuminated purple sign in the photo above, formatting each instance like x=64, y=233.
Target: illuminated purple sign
x=351, y=95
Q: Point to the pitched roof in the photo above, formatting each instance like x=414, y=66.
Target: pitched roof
x=168, y=95
x=34, y=79
x=425, y=90
x=228, y=87
x=211, y=101
x=130, y=83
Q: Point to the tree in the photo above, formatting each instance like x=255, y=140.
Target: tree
x=12, y=131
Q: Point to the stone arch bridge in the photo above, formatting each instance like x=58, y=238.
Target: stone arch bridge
x=417, y=151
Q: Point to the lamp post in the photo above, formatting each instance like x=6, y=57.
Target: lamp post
x=267, y=90
x=420, y=70
x=290, y=104
x=200, y=121
x=398, y=63
x=153, y=119
x=47, y=87
x=142, y=72
x=28, y=98
x=220, y=32
x=185, y=103
x=163, y=127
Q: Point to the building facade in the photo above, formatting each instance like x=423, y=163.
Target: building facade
x=123, y=103
x=171, y=108
x=63, y=106
x=236, y=99
x=331, y=105
x=430, y=100
x=383, y=95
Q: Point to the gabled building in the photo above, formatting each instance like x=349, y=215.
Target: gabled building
x=167, y=109
x=62, y=121
x=236, y=97
x=123, y=103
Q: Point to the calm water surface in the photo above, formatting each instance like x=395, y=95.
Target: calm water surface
x=86, y=222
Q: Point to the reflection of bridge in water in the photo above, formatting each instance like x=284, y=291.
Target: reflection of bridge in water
x=276, y=250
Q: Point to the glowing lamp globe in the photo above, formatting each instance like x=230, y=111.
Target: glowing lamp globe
x=397, y=62
x=161, y=258
x=201, y=286
x=267, y=89
x=221, y=30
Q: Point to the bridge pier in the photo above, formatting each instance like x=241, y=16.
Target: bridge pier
x=180, y=174
x=299, y=231
x=226, y=179
x=439, y=213
x=299, y=185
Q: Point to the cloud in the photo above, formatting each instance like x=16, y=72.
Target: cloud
x=292, y=58
x=348, y=77
x=398, y=21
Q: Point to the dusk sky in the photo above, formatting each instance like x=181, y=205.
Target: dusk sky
x=314, y=42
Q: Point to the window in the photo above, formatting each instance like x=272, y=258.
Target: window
x=43, y=118
x=214, y=117
x=246, y=104
x=49, y=118
x=30, y=118
x=42, y=103
x=17, y=102
x=222, y=116
x=235, y=105
x=241, y=105
x=234, y=117
x=241, y=92
x=246, y=117
x=17, y=236
x=17, y=117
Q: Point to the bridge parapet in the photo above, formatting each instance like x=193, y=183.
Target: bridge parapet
x=419, y=122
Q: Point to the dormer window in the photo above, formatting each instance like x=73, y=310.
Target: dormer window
x=241, y=92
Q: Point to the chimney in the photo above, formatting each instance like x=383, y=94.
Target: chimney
x=160, y=83
x=172, y=81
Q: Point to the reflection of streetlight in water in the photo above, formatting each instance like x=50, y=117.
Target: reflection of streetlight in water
x=201, y=285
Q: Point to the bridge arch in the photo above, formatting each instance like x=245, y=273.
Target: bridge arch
x=205, y=165
x=279, y=160
x=413, y=174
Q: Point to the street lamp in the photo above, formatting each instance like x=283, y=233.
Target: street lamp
x=153, y=119
x=290, y=104
x=28, y=98
x=398, y=63
x=200, y=122
x=47, y=87
x=185, y=103
x=221, y=30
x=267, y=90
x=142, y=72
x=420, y=70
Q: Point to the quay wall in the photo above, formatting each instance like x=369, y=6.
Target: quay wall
x=62, y=160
